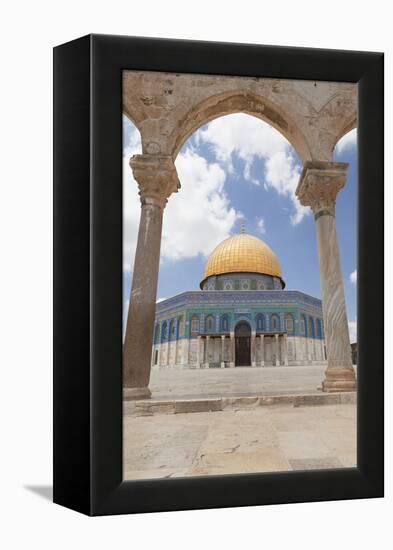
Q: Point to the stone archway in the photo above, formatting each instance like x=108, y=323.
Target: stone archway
x=167, y=108
x=242, y=344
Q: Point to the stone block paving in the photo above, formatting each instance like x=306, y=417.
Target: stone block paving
x=262, y=439
x=175, y=383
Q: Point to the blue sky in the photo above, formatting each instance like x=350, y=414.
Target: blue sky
x=237, y=169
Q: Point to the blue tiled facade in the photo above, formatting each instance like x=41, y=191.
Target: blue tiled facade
x=215, y=312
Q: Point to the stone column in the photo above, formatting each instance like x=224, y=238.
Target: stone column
x=167, y=350
x=253, y=350
x=157, y=179
x=318, y=187
x=176, y=342
x=222, y=351
x=198, y=365
x=207, y=352
x=277, y=350
x=186, y=347
x=232, y=350
x=285, y=349
x=262, y=336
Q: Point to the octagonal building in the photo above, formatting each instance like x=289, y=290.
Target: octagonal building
x=242, y=316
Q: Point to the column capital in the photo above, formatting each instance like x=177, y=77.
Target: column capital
x=156, y=177
x=319, y=184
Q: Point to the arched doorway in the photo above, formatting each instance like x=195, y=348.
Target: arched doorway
x=242, y=344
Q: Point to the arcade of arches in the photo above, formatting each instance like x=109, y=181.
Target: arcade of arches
x=167, y=108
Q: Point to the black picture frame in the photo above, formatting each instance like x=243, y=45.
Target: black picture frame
x=88, y=275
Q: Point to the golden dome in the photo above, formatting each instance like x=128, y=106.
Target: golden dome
x=242, y=254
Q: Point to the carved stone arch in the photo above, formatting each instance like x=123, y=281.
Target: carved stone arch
x=238, y=101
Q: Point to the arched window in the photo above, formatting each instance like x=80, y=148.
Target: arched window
x=209, y=323
x=157, y=333
x=275, y=323
x=195, y=324
x=319, y=328
x=164, y=332
x=224, y=323
x=302, y=325
x=260, y=321
x=289, y=323
x=172, y=330
x=180, y=327
x=311, y=332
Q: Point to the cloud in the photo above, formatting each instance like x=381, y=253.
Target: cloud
x=354, y=277
x=131, y=204
x=261, y=225
x=352, y=326
x=200, y=215
x=248, y=139
x=347, y=142
x=282, y=173
x=195, y=220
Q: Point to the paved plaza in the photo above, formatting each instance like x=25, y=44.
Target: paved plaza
x=244, y=437
x=263, y=439
x=175, y=383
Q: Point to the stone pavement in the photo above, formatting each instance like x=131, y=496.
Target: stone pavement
x=261, y=439
x=167, y=383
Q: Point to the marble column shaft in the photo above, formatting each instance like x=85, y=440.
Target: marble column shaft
x=318, y=187
x=206, y=360
x=157, y=179
x=222, y=351
x=285, y=348
x=277, y=346
x=253, y=350
x=262, y=336
x=232, y=350
x=198, y=350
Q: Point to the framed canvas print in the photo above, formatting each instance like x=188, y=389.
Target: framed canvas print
x=218, y=275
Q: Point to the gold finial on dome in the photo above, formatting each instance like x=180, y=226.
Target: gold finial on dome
x=242, y=228
x=242, y=253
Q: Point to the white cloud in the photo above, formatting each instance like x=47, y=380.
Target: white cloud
x=282, y=174
x=348, y=141
x=200, y=215
x=131, y=203
x=261, y=225
x=352, y=326
x=354, y=277
x=249, y=139
x=195, y=220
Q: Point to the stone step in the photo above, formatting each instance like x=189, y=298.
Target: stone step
x=149, y=407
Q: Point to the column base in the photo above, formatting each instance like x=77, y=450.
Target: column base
x=132, y=394
x=339, y=380
x=232, y=365
x=253, y=364
x=222, y=365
